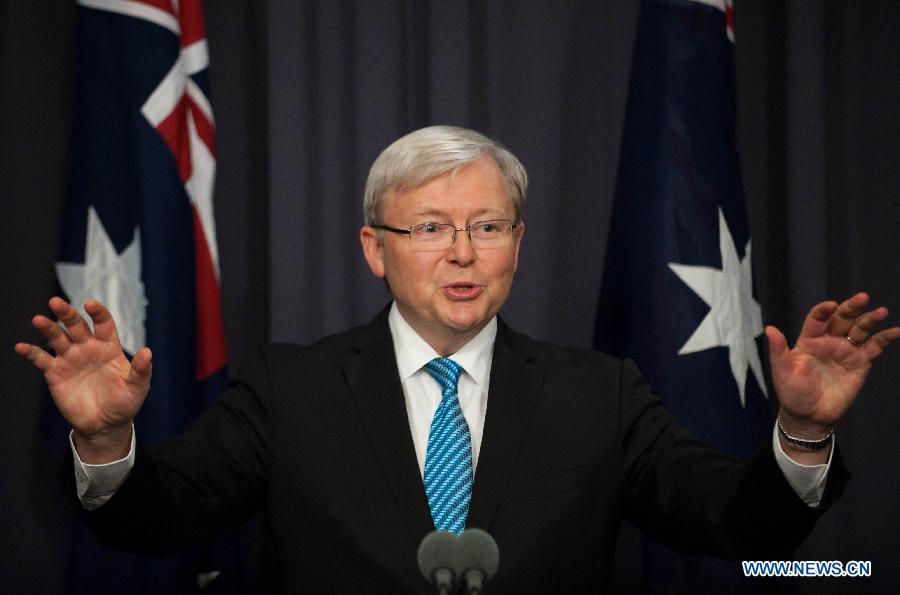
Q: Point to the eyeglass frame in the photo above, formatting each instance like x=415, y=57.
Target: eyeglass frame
x=468, y=229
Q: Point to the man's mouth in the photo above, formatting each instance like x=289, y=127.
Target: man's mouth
x=462, y=291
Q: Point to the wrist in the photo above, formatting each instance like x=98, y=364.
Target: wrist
x=804, y=450
x=106, y=446
x=801, y=428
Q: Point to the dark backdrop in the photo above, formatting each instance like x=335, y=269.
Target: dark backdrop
x=306, y=94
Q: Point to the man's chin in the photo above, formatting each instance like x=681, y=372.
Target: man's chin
x=465, y=322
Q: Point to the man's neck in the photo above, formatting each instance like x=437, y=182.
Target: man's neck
x=446, y=344
x=444, y=341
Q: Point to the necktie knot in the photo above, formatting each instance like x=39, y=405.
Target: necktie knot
x=446, y=372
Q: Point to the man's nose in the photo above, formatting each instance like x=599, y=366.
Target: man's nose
x=461, y=250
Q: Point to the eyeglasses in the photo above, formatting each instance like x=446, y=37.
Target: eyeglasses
x=435, y=237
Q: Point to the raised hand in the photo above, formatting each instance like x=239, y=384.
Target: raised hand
x=822, y=375
x=92, y=382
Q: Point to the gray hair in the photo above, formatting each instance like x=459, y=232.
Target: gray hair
x=427, y=153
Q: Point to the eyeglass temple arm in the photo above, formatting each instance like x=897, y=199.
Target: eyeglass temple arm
x=393, y=229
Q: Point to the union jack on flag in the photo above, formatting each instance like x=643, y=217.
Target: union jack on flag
x=139, y=234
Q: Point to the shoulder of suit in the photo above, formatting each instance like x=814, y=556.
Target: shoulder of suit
x=331, y=348
x=331, y=345
x=548, y=355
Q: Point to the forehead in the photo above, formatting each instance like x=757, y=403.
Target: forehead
x=475, y=188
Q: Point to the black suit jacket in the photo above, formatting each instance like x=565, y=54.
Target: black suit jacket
x=573, y=442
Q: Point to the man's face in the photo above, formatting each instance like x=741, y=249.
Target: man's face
x=447, y=296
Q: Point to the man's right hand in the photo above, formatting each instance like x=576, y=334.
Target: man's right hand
x=93, y=384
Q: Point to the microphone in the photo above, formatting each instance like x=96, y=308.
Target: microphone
x=438, y=559
x=444, y=559
x=478, y=560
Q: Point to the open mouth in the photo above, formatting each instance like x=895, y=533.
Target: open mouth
x=462, y=291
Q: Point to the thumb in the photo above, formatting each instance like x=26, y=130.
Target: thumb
x=778, y=347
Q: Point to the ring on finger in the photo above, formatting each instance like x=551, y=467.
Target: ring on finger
x=854, y=342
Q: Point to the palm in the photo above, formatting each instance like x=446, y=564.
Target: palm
x=89, y=384
x=824, y=376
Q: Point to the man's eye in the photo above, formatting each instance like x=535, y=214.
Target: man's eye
x=486, y=228
x=429, y=228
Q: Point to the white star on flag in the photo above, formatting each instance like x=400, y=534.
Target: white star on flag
x=735, y=317
x=112, y=278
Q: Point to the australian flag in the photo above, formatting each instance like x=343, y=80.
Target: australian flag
x=139, y=234
x=677, y=292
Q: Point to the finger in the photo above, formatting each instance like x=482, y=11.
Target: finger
x=76, y=326
x=847, y=313
x=141, y=366
x=778, y=349
x=56, y=337
x=104, y=325
x=39, y=358
x=816, y=322
x=866, y=324
x=878, y=342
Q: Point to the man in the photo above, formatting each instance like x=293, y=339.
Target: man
x=436, y=414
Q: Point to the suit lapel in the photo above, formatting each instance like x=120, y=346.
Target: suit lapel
x=514, y=388
x=375, y=384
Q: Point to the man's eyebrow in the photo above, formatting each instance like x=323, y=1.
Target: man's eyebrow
x=431, y=212
x=425, y=212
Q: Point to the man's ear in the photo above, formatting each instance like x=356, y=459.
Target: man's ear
x=373, y=249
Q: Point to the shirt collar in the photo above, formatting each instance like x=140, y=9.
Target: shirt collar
x=413, y=352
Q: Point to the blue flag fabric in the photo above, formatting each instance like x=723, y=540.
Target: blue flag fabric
x=677, y=290
x=138, y=235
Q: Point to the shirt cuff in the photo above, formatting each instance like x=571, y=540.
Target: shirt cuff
x=808, y=481
x=95, y=484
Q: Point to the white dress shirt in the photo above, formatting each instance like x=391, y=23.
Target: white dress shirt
x=97, y=483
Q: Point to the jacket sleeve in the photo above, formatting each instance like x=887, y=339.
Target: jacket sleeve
x=212, y=476
x=698, y=499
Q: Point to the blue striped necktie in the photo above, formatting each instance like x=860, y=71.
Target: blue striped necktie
x=448, y=460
